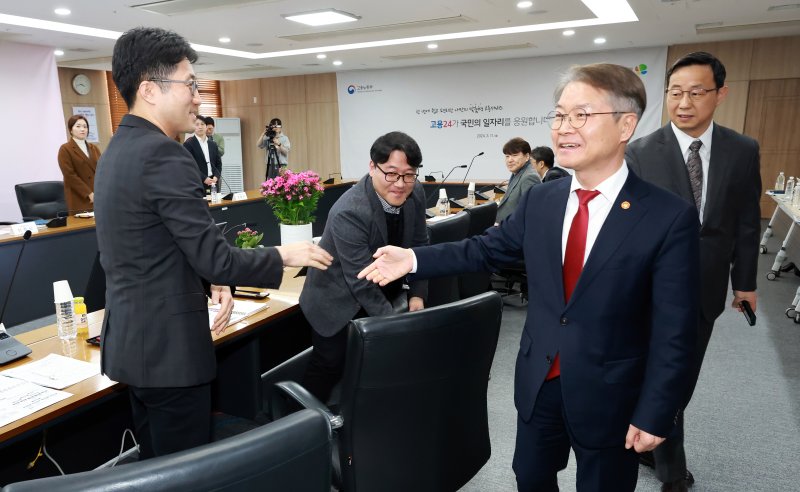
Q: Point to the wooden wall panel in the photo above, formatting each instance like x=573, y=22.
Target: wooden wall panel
x=736, y=55
x=732, y=111
x=776, y=58
x=240, y=93
x=323, y=138
x=98, y=98
x=321, y=88
x=283, y=90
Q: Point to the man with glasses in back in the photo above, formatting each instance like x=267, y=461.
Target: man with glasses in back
x=387, y=206
x=716, y=170
x=606, y=350
x=162, y=252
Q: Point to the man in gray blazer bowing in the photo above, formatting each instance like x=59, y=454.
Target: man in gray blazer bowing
x=387, y=206
x=161, y=251
x=523, y=175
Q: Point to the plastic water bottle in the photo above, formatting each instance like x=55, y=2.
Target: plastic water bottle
x=443, y=203
x=214, y=194
x=780, y=181
x=65, y=314
x=81, y=317
x=795, y=198
x=790, y=184
x=471, y=195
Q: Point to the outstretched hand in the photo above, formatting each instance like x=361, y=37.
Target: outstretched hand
x=304, y=254
x=390, y=264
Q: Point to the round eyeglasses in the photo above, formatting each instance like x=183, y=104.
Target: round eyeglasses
x=577, y=117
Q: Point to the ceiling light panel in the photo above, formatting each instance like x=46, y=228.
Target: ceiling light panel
x=322, y=17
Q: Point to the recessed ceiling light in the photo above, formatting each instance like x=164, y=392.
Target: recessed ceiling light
x=58, y=52
x=224, y=39
x=62, y=11
x=524, y=5
x=337, y=62
x=322, y=17
x=432, y=46
x=599, y=40
x=322, y=56
x=569, y=32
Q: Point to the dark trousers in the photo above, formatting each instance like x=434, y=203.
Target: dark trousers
x=542, y=450
x=326, y=364
x=670, y=456
x=168, y=420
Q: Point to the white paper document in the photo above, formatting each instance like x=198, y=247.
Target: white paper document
x=20, y=398
x=54, y=371
x=241, y=310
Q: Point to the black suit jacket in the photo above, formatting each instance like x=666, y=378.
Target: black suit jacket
x=729, y=235
x=193, y=146
x=158, y=244
x=626, y=337
x=554, y=173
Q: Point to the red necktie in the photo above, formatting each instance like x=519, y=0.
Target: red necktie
x=573, y=257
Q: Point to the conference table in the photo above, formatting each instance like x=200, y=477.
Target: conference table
x=88, y=425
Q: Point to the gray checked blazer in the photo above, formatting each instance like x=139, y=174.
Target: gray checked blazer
x=356, y=227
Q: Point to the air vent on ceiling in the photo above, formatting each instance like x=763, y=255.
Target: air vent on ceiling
x=786, y=6
x=178, y=7
x=79, y=50
x=384, y=30
x=88, y=61
x=310, y=64
x=488, y=49
x=717, y=27
x=263, y=68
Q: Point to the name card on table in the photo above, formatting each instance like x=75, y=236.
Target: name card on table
x=19, y=229
x=239, y=196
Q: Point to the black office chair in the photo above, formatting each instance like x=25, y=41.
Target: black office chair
x=442, y=290
x=292, y=453
x=41, y=200
x=481, y=218
x=413, y=397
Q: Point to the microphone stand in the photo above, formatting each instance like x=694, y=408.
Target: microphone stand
x=470, y=167
x=436, y=191
x=229, y=196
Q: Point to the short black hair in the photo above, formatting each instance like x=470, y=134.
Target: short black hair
x=700, y=58
x=544, y=154
x=210, y=121
x=145, y=53
x=275, y=121
x=517, y=145
x=386, y=144
x=202, y=118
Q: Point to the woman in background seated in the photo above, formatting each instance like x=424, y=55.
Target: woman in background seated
x=78, y=162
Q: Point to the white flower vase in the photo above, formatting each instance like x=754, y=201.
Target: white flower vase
x=295, y=233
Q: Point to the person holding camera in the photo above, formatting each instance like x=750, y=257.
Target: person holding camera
x=281, y=145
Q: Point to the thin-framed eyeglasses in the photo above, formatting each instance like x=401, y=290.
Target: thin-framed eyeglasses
x=577, y=117
x=395, y=177
x=191, y=83
x=694, y=94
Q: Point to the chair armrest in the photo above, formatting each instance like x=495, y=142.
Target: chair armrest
x=302, y=397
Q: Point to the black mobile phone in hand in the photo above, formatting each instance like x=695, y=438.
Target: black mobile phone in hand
x=749, y=315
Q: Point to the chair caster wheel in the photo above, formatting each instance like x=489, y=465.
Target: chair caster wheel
x=791, y=313
x=763, y=250
x=772, y=275
x=797, y=319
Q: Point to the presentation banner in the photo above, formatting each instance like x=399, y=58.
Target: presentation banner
x=456, y=111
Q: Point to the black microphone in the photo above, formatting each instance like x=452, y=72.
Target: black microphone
x=25, y=238
x=229, y=196
x=470, y=167
x=430, y=179
x=436, y=191
x=330, y=178
x=229, y=229
x=61, y=217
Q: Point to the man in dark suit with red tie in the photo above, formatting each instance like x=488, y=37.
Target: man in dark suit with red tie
x=716, y=170
x=606, y=350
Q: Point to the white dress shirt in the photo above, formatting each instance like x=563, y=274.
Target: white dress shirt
x=684, y=141
x=599, y=207
x=204, y=146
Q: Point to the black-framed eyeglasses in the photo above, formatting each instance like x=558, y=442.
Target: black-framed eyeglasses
x=577, y=117
x=191, y=83
x=395, y=177
x=694, y=94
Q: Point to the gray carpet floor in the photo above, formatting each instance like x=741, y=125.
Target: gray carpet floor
x=743, y=423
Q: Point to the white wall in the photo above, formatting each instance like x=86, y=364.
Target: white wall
x=519, y=92
x=32, y=123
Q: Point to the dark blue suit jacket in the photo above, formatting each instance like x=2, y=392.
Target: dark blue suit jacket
x=627, y=335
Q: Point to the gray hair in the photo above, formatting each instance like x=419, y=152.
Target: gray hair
x=625, y=89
